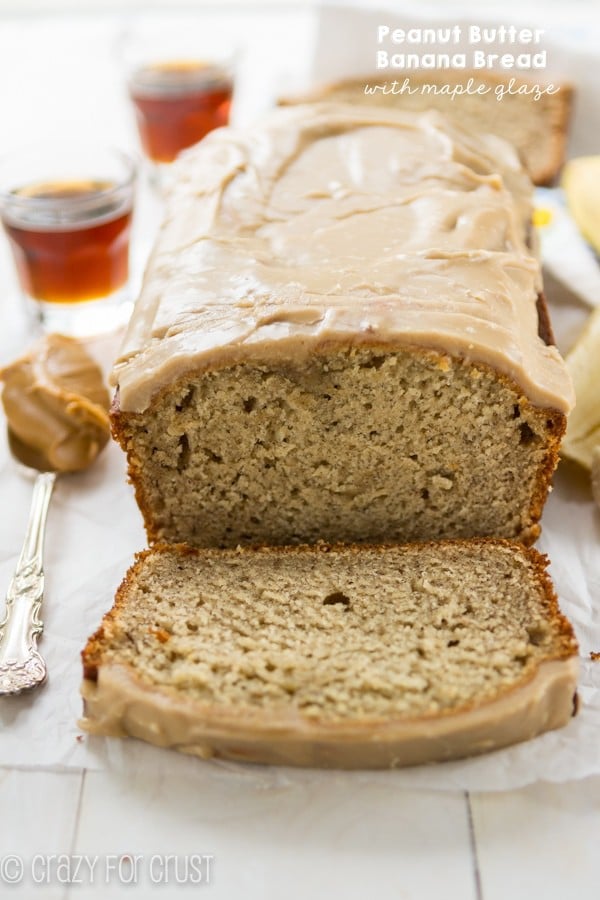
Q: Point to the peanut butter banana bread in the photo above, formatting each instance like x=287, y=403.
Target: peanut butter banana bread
x=519, y=109
x=337, y=339
x=346, y=657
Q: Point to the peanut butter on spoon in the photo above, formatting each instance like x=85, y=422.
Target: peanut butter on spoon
x=56, y=405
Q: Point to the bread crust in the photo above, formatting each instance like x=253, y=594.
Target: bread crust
x=544, y=322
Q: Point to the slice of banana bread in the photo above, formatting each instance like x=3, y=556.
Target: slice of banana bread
x=517, y=108
x=346, y=657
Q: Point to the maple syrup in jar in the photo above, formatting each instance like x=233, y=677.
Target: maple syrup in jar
x=177, y=103
x=69, y=238
x=65, y=258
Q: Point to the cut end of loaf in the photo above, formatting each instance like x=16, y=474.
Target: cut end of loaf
x=360, y=445
x=344, y=656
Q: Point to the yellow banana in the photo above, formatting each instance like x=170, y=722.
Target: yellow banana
x=581, y=184
x=583, y=425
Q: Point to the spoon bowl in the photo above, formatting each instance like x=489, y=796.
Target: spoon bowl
x=28, y=457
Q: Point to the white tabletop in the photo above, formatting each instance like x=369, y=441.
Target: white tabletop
x=73, y=829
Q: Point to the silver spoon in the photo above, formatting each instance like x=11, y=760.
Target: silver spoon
x=21, y=665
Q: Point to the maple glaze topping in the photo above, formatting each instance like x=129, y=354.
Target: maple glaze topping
x=330, y=223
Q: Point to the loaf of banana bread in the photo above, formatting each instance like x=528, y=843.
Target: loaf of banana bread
x=338, y=338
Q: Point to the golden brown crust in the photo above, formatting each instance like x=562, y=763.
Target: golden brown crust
x=118, y=424
x=544, y=323
x=556, y=425
x=91, y=655
x=548, y=176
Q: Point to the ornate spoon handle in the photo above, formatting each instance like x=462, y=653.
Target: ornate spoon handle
x=21, y=666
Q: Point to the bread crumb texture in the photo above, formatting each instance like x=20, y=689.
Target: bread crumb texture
x=361, y=445
x=335, y=633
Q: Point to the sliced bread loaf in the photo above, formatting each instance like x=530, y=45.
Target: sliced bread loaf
x=338, y=339
x=349, y=657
